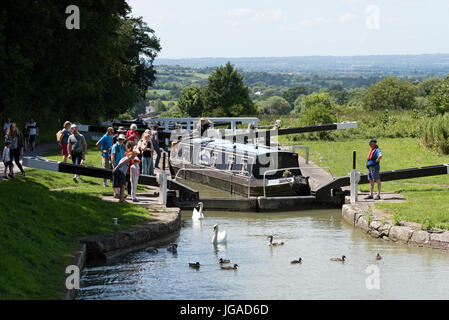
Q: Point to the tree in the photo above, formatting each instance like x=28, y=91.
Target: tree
x=191, y=103
x=425, y=87
x=439, y=98
x=225, y=94
x=276, y=106
x=306, y=102
x=90, y=74
x=355, y=97
x=339, y=93
x=390, y=93
x=317, y=108
x=293, y=93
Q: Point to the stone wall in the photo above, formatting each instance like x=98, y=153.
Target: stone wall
x=361, y=216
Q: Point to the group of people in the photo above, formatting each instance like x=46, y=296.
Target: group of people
x=123, y=152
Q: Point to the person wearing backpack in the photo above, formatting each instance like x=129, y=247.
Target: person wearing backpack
x=105, y=145
x=63, y=138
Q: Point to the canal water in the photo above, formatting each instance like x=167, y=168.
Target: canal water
x=266, y=272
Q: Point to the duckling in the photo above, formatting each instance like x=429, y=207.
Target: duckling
x=274, y=244
x=173, y=248
x=342, y=259
x=152, y=250
x=230, y=268
x=221, y=261
x=296, y=261
x=195, y=265
x=378, y=257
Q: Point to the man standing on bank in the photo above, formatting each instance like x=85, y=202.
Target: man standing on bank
x=374, y=157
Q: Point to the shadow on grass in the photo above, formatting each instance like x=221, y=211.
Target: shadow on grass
x=38, y=232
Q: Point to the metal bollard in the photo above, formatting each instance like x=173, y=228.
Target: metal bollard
x=162, y=180
x=354, y=179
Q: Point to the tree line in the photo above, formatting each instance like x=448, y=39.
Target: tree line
x=91, y=74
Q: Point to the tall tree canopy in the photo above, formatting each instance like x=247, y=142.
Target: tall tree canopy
x=226, y=95
x=390, y=93
x=51, y=72
x=191, y=102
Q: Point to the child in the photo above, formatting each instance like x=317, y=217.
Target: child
x=134, y=173
x=7, y=161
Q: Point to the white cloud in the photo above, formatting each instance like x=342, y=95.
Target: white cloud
x=313, y=22
x=347, y=17
x=240, y=12
x=233, y=23
x=270, y=16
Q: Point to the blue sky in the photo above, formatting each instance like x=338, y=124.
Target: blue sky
x=266, y=28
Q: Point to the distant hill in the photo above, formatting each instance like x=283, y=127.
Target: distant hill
x=374, y=65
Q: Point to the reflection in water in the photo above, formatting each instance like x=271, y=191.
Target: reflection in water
x=265, y=272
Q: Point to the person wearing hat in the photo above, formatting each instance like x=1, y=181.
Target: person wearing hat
x=7, y=160
x=117, y=154
x=105, y=145
x=134, y=173
x=77, y=148
x=120, y=130
x=373, y=165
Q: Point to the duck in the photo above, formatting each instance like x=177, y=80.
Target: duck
x=219, y=237
x=195, y=265
x=378, y=257
x=234, y=267
x=342, y=259
x=221, y=260
x=198, y=214
x=274, y=244
x=152, y=250
x=296, y=261
x=173, y=248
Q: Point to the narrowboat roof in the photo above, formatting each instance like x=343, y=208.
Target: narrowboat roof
x=238, y=147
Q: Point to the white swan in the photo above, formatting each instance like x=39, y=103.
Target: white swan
x=198, y=215
x=219, y=237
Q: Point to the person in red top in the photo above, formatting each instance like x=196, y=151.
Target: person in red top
x=133, y=135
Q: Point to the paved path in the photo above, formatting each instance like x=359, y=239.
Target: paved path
x=40, y=150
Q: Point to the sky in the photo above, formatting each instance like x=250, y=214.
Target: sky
x=282, y=28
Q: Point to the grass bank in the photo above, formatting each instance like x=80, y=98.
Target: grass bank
x=427, y=198
x=40, y=218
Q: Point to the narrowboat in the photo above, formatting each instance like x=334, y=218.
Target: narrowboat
x=239, y=168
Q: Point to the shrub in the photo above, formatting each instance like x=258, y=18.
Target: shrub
x=436, y=134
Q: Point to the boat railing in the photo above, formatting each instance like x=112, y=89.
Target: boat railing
x=292, y=168
x=226, y=171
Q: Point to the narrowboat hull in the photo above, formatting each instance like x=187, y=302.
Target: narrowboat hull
x=242, y=185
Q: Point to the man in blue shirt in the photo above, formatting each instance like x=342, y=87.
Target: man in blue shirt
x=117, y=154
x=105, y=144
x=374, y=157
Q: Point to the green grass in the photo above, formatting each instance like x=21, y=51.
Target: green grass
x=427, y=198
x=39, y=227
